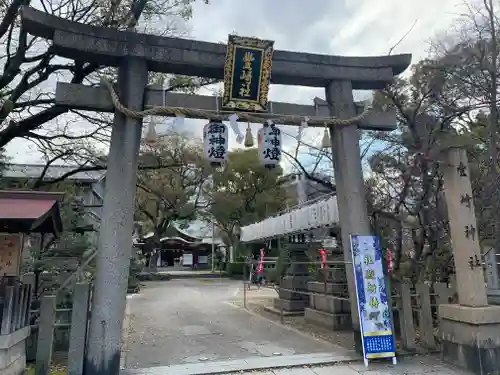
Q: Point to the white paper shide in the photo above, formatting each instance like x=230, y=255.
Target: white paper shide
x=319, y=214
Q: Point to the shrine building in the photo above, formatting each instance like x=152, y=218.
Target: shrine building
x=179, y=249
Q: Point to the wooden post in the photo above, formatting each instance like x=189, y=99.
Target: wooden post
x=20, y=307
x=8, y=310
x=15, y=306
x=245, y=284
x=27, y=311
x=388, y=289
x=29, y=280
x=78, y=333
x=425, y=316
x=406, y=318
x=45, y=335
x=26, y=305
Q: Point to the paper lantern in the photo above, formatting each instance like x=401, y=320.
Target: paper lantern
x=269, y=144
x=215, y=142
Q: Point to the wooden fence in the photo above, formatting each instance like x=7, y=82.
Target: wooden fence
x=15, y=299
x=415, y=311
x=51, y=321
x=414, y=307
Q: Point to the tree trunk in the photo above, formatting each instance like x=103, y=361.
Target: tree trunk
x=493, y=118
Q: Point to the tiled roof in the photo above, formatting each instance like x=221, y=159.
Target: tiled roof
x=28, y=211
x=54, y=171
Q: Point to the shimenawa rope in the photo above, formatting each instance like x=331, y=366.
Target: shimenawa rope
x=223, y=115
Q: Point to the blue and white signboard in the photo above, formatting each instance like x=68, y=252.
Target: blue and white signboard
x=373, y=306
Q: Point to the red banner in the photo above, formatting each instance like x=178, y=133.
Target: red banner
x=322, y=253
x=389, y=260
x=260, y=266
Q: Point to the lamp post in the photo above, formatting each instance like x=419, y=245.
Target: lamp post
x=213, y=245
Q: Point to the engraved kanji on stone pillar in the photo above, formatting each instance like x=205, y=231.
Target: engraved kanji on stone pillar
x=463, y=229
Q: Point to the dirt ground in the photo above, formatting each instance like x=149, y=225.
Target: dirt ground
x=257, y=299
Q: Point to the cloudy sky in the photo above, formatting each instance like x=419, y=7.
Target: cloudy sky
x=339, y=27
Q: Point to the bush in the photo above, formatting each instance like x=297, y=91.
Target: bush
x=133, y=288
x=236, y=269
x=153, y=276
x=271, y=276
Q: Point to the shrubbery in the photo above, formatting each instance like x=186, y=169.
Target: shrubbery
x=236, y=268
x=153, y=276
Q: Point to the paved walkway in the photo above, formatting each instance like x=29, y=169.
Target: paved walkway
x=186, y=321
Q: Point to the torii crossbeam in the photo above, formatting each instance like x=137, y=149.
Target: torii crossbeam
x=89, y=98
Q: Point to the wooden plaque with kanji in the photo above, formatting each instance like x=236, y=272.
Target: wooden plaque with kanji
x=10, y=254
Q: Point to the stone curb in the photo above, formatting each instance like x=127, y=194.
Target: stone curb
x=198, y=276
x=255, y=364
x=125, y=332
x=250, y=364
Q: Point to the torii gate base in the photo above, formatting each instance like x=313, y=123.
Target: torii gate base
x=134, y=54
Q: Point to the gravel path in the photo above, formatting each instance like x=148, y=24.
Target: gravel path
x=191, y=320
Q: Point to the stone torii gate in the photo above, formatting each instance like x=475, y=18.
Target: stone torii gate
x=135, y=54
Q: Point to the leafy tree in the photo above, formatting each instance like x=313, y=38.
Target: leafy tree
x=60, y=257
x=29, y=68
x=173, y=194
x=449, y=100
x=437, y=107
x=3, y=161
x=243, y=192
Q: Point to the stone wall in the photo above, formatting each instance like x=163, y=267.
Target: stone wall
x=13, y=352
x=326, y=307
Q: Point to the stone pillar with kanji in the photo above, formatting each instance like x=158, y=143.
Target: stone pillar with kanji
x=470, y=329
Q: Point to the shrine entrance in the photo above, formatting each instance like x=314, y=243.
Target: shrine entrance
x=245, y=99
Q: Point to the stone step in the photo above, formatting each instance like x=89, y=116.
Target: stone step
x=330, y=304
x=338, y=289
x=289, y=305
x=324, y=319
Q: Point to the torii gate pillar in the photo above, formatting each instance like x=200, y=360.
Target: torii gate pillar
x=349, y=182
x=113, y=257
